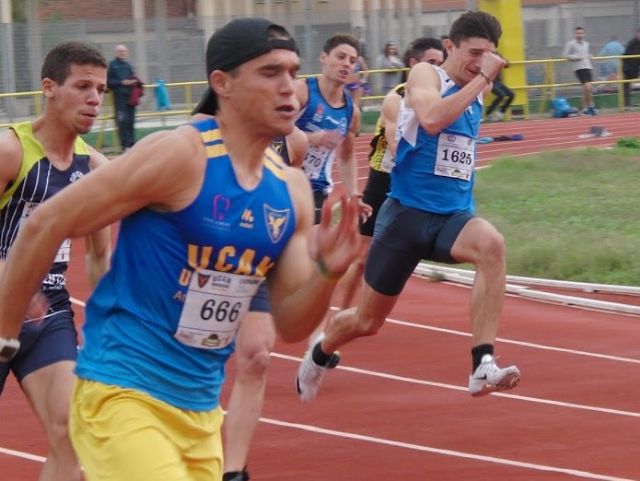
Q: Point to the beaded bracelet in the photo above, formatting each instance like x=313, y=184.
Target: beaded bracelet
x=325, y=272
x=486, y=77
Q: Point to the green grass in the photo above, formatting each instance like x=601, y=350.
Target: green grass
x=569, y=215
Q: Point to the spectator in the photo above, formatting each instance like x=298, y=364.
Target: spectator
x=121, y=80
x=358, y=80
x=390, y=60
x=577, y=51
x=503, y=96
x=631, y=66
x=609, y=68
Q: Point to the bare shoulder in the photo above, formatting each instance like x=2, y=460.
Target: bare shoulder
x=176, y=148
x=96, y=158
x=11, y=154
x=421, y=73
x=298, y=183
x=296, y=178
x=423, y=83
x=162, y=170
x=391, y=106
x=300, y=191
x=302, y=91
x=297, y=144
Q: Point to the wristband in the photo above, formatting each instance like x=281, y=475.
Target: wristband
x=325, y=272
x=486, y=77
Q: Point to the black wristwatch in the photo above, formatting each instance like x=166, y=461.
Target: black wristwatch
x=8, y=348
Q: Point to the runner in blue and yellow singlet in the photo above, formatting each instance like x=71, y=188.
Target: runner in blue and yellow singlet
x=209, y=214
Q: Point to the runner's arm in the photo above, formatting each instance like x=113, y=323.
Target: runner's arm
x=300, y=290
x=160, y=171
x=345, y=156
x=390, y=109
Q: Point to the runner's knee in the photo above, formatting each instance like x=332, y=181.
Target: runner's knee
x=58, y=433
x=491, y=249
x=255, y=362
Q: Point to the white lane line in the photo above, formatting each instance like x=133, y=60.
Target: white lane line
x=398, y=444
x=511, y=341
x=78, y=302
x=518, y=343
x=499, y=339
x=445, y=452
x=454, y=387
x=23, y=455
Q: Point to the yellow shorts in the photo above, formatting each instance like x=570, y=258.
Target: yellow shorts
x=123, y=434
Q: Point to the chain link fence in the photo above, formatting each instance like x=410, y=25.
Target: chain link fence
x=172, y=49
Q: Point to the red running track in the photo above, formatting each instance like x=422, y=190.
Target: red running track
x=397, y=407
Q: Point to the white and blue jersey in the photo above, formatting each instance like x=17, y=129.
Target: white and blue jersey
x=435, y=173
x=319, y=115
x=163, y=319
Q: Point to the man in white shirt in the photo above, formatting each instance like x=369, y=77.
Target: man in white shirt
x=577, y=51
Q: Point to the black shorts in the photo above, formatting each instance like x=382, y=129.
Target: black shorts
x=261, y=302
x=403, y=237
x=375, y=193
x=42, y=343
x=584, y=75
x=318, y=199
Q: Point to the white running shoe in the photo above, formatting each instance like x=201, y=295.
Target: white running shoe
x=310, y=374
x=488, y=377
x=496, y=116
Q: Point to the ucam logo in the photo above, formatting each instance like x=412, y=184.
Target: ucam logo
x=276, y=221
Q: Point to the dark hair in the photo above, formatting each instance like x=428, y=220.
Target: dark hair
x=57, y=63
x=341, y=39
x=418, y=47
x=475, y=24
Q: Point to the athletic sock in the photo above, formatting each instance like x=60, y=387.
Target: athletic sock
x=236, y=475
x=477, y=353
x=318, y=355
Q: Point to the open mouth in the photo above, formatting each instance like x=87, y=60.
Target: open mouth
x=286, y=108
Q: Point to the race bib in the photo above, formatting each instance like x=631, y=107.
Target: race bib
x=215, y=304
x=64, y=253
x=455, y=156
x=315, y=161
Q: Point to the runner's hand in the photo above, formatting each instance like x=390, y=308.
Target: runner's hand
x=337, y=244
x=364, y=210
x=491, y=64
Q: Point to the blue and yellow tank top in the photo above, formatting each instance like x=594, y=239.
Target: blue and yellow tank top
x=163, y=319
x=38, y=179
x=319, y=115
x=435, y=173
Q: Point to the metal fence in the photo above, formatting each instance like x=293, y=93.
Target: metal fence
x=172, y=49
